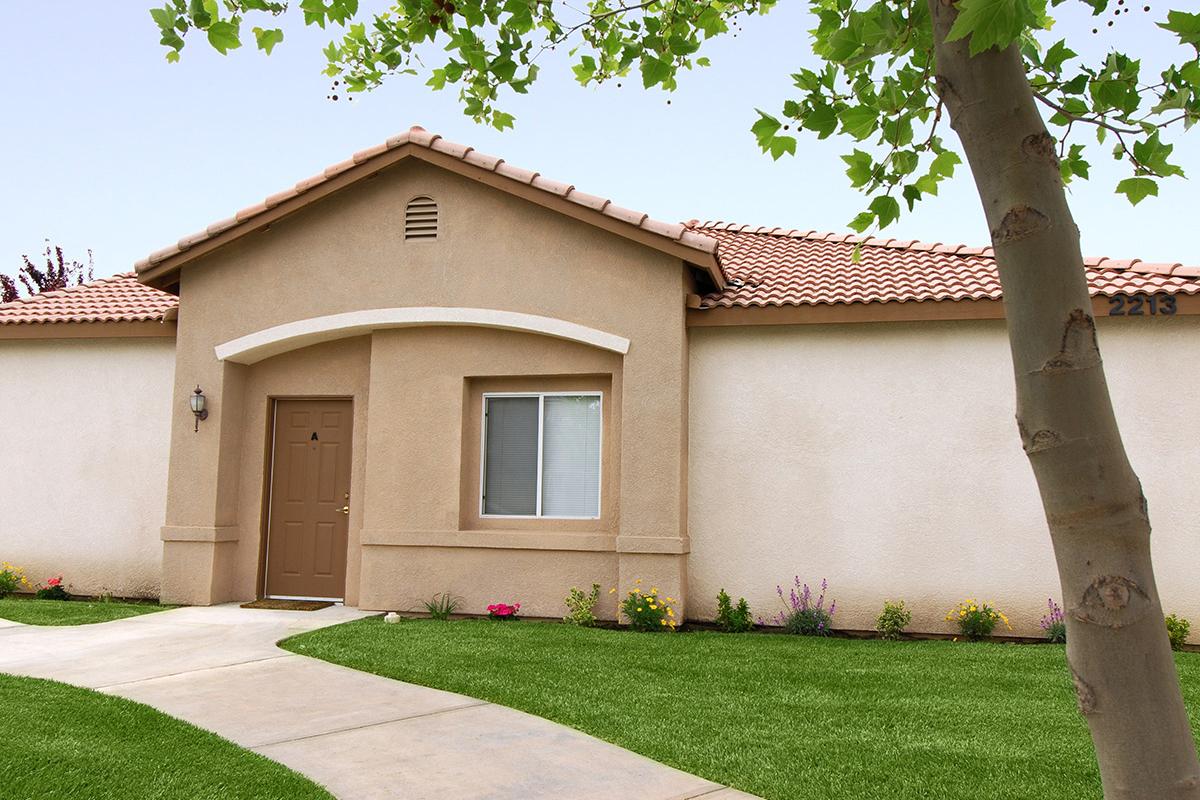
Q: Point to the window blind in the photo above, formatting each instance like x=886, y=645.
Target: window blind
x=510, y=467
x=571, y=456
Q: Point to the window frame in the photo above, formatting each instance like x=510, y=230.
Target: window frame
x=541, y=398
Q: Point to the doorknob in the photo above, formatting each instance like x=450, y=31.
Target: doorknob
x=344, y=509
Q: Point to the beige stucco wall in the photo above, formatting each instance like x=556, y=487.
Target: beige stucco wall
x=884, y=457
x=83, y=460
x=410, y=386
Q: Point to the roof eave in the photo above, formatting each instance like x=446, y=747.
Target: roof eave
x=88, y=329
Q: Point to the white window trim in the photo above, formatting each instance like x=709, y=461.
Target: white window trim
x=541, y=396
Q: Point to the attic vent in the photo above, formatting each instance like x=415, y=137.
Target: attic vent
x=421, y=219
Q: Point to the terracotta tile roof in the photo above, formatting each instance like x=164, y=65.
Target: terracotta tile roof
x=117, y=299
x=782, y=267
x=419, y=137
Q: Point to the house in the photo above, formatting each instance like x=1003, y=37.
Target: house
x=427, y=370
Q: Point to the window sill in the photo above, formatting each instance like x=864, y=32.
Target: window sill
x=494, y=539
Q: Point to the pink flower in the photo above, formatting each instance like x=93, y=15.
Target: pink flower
x=54, y=581
x=503, y=609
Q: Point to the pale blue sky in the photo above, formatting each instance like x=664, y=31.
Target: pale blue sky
x=110, y=147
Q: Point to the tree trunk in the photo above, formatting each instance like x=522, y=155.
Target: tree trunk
x=1117, y=647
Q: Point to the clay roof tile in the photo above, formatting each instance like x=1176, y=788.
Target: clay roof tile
x=119, y=298
x=781, y=267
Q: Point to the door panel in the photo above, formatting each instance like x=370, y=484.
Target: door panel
x=310, y=487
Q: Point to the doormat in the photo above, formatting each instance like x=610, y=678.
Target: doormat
x=288, y=605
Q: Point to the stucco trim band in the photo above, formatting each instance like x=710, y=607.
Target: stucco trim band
x=255, y=347
x=491, y=539
x=192, y=533
x=668, y=545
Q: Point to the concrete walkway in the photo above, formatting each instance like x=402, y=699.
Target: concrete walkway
x=359, y=735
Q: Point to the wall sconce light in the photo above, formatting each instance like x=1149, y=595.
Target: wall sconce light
x=197, y=401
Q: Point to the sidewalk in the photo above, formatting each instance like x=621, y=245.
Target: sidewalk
x=359, y=735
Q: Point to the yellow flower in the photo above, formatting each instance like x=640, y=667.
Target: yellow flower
x=670, y=599
x=973, y=608
x=613, y=590
x=639, y=609
x=653, y=607
x=653, y=590
x=639, y=580
x=662, y=622
x=670, y=612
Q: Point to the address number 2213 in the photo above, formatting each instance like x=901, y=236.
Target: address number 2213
x=1140, y=305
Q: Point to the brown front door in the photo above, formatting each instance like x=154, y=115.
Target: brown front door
x=310, y=499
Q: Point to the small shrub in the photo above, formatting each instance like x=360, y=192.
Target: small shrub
x=441, y=606
x=581, y=607
x=731, y=618
x=1178, y=629
x=648, y=612
x=1054, y=623
x=976, y=620
x=52, y=590
x=503, y=611
x=802, y=615
x=892, y=621
x=11, y=579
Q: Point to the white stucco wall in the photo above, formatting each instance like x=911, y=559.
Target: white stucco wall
x=83, y=460
x=885, y=458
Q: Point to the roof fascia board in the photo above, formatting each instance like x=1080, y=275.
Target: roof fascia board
x=909, y=311
x=161, y=274
x=87, y=330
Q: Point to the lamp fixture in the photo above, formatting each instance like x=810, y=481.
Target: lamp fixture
x=198, y=402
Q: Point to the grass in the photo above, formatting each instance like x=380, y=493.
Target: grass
x=70, y=612
x=778, y=716
x=63, y=741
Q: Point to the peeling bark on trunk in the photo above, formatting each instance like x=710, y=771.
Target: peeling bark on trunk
x=1117, y=648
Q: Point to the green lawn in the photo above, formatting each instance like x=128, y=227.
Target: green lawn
x=782, y=717
x=70, y=612
x=62, y=741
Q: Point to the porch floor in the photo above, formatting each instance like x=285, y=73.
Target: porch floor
x=360, y=735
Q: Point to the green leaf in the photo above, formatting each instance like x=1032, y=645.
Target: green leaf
x=859, y=121
x=861, y=222
x=267, y=38
x=163, y=17
x=943, y=164
x=991, y=23
x=202, y=17
x=765, y=128
x=822, y=119
x=911, y=195
x=1152, y=155
x=314, y=12
x=781, y=145
x=860, y=168
x=841, y=44
x=1137, y=189
x=1186, y=26
x=223, y=36
x=654, y=70
x=1057, y=55
x=886, y=208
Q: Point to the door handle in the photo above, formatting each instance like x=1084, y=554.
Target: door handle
x=344, y=509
